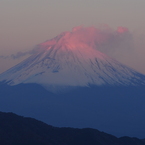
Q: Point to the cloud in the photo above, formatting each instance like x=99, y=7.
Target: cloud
x=20, y=54
x=116, y=43
x=119, y=44
x=103, y=39
x=15, y=56
x=90, y=35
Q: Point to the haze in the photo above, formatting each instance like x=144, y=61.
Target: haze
x=25, y=24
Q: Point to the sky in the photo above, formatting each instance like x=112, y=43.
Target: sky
x=26, y=23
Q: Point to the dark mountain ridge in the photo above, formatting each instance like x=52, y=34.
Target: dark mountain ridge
x=16, y=130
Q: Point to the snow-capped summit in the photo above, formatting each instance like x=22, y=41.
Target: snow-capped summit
x=70, y=59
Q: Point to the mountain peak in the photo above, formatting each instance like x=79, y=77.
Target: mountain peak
x=77, y=38
x=71, y=59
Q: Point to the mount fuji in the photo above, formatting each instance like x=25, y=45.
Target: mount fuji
x=68, y=82
x=66, y=61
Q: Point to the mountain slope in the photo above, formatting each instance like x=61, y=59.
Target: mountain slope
x=16, y=130
x=61, y=62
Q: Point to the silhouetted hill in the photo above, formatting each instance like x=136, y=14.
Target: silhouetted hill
x=143, y=140
x=18, y=130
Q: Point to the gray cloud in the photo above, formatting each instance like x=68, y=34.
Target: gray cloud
x=20, y=54
x=118, y=44
x=15, y=56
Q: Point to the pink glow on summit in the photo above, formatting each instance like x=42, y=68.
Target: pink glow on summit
x=84, y=37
